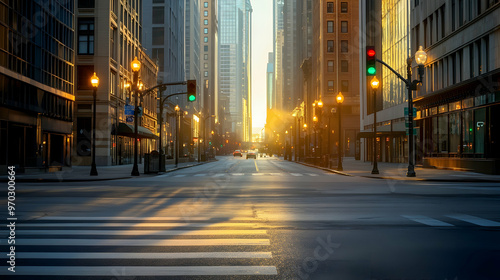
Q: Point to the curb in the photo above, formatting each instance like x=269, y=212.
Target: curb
x=465, y=180
x=41, y=180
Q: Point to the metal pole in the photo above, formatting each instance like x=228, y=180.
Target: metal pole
x=93, y=169
x=135, y=169
x=411, y=167
x=340, y=150
x=375, y=167
x=160, y=149
x=178, y=132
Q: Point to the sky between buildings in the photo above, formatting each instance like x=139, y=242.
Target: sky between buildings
x=262, y=44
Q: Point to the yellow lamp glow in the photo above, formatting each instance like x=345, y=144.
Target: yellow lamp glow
x=136, y=65
x=340, y=98
x=94, y=80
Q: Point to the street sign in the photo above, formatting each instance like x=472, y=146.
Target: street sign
x=130, y=119
x=414, y=131
x=129, y=110
x=414, y=111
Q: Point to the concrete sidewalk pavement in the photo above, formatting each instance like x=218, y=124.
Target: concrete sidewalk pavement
x=81, y=173
x=397, y=171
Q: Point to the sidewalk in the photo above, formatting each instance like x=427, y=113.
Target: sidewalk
x=81, y=173
x=397, y=171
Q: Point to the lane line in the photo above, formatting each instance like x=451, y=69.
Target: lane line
x=137, y=225
x=276, y=174
x=427, y=221
x=237, y=174
x=258, y=174
x=178, y=176
x=170, y=256
x=219, y=175
x=141, y=270
x=474, y=220
x=141, y=232
x=62, y=218
x=296, y=174
x=200, y=175
x=256, y=167
x=312, y=174
x=142, y=242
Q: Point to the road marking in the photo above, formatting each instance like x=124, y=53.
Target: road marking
x=276, y=174
x=142, y=242
x=258, y=174
x=200, y=175
x=62, y=218
x=312, y=174
x=256, y=167
x=170, y=256
x=237, y=174
x=475, y=220
x=178, y=176
x=427, y=221
x=140, y=232
x=219, y=175
x=141, y=270
x=296, y=174
x=137, y=225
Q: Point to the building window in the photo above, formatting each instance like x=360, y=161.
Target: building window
x=330, y=26
x=86, y=36
x=329, y=46
x=343, y=7
x=330, y=66
x=205, y=39
x=330, y=86
x=329, y=7
x=158, y=15
x=158, y=1
x=83, y=130
x=206, y=56
x=205, y=4
x=84, y=72
x=112, y=83
x=158, y=35
x=86, y=3
x=206, y=73
x=206, y=65
x=344, y=66
x=205, y=21
x=205, y=30
x=343, y=27
x=205, y=48
x=344, y=86
x=344, y=46
x=159, y=55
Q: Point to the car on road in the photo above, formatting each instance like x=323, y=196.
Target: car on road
x=251, y=154
x=237, y=153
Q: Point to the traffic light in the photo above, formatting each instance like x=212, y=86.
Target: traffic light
x=371, y=70
x=191, y=90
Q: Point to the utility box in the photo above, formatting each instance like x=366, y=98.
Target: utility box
x=152, y=162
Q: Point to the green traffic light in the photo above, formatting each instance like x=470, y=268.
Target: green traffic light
x=192, y=98
x=372, y=71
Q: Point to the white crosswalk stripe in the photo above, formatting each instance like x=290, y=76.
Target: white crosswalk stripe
x=474, y=220
x=200, y=175
x=296, y=174
x=244, y=174
x=426, y=221
x=461, y=217
x=211, y=245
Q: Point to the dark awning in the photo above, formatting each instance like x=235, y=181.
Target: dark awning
x=128, y=130
x=369, y=134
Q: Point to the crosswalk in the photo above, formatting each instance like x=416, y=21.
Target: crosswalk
x=108, y=247
x=216, y=175
x=452, y=220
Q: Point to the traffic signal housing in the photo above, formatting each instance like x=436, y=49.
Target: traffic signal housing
x=371, y=70
x=191, y=90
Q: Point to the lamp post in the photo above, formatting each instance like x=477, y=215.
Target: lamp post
x=375, y=83
x=340, y=100
x=136, y=66
x=306, y=141
x=421, y=58
x=319, y=127
x=286, y=146
x=315, y=121
x=177, y=136
x=94, y=80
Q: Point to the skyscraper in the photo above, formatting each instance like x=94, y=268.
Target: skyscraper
x=235, y=67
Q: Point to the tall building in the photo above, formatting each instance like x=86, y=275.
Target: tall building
x=209, y=94
x=108, y=39
x=278, y=44
x=271, y=98
x=291, y=54
x=459, y=101
x=37, y=86
x=192, y=46
x=385, y=25
x=334, y=69
x=235, y=67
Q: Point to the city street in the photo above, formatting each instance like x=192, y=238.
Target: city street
x=256, y=219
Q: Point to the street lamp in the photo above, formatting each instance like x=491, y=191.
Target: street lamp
x=94, y=80
x=340, y=100
x=136, y=66
x=375, y=84
x=178, y=132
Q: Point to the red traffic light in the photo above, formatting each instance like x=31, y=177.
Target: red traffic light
x=371, y=52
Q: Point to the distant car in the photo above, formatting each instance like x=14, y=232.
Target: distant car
x=251, y=154
x=237, y=153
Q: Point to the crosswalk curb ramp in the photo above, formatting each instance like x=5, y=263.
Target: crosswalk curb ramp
x=142, y=246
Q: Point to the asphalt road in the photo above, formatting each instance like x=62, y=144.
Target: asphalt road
x=255, y=219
